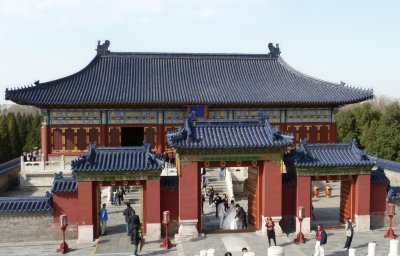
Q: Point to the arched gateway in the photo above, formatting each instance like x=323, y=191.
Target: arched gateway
x=255, y=144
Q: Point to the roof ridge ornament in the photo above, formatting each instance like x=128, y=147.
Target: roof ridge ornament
x=274, y=51
x=102, y=49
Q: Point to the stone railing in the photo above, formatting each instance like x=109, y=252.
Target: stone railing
x=41, y=173
x=229, y=185
x=44, y=167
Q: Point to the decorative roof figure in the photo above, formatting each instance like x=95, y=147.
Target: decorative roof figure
x=102, y=49
x=274, y=51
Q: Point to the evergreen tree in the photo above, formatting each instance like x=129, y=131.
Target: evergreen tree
x=5, y=149
x=33, y=137
x=15, y=140
x=388, y=133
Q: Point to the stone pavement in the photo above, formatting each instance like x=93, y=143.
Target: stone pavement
x=116, y=242
x=220, y=242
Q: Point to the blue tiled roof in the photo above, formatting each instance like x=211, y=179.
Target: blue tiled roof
x=228, y=134
x=378, y=177
x=330, y=155
x=387, y=164
x=26, y=204
x=64, y=184
x=393, y=194
x=10, y=165
x=122, y=159
x=123, y=79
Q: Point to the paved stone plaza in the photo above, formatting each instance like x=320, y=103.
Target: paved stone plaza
x=116, y=242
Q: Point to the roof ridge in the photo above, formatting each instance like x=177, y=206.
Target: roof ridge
x=188, y=55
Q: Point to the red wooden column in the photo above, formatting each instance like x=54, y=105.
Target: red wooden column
x=362, y=202
x=189, y=201
x=160, y=139
x=87, y=211
x=271, y=193
x=45, y=141
x=303, y=198
x=152, y=209
x=103, y=130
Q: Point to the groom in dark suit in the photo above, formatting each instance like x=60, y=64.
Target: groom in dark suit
x=241, y=215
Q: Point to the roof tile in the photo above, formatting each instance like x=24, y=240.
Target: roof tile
x=171, y=79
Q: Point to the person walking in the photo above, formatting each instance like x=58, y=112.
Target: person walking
x=103, y=219
x=115, y=196
x=210, y=195
x=321, y=238
x=349, y=234
x=127, y=213
x=134, y=225
x=217, y=201
x=270, y=231
x=222, y=173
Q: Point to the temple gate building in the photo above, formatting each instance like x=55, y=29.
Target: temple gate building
x=207, y=111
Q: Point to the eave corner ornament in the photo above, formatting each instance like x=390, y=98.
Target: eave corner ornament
x=102, y=49
x=274, y=51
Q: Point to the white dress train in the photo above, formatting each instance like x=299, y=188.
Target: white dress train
x=230, y=222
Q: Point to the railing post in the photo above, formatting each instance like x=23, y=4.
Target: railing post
x=394, y=247
x=352, y=252
x=42, y=164
x=276, y=251
x=62, y=163
x=371, y=249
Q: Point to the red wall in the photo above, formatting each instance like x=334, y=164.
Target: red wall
x=271, y=189
x=378, y=197
x=189, y=192
x=170, y=202
x=362, y=194
x=303, y=194
x=65, y=203
x=289, y=201
x=152, y=197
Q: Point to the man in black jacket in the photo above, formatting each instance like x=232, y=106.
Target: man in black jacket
x=128, y=212
x=241, y=215
x=134, y=225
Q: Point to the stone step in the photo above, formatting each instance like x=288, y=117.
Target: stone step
x=37, y=181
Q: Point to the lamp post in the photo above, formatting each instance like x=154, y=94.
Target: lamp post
x=166, y=242
x=390, y=212
x=63, y=223
x=300, y=215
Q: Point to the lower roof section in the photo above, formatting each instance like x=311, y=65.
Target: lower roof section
x=26, y=204
x=122, y=160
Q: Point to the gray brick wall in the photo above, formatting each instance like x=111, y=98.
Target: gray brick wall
x=32, y=226
x=9, y=179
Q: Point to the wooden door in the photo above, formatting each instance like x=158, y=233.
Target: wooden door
x=253, y=198
x=346, y=200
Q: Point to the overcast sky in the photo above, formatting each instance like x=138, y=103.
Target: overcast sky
x=357, y=42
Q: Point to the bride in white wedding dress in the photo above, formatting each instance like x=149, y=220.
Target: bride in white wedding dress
x=230, y=222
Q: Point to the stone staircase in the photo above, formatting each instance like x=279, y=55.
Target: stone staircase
x=214, y=181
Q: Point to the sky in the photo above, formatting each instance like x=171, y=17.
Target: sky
x=357, y=42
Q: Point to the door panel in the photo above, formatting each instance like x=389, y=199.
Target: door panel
x=252, y=188
x=346, y=200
